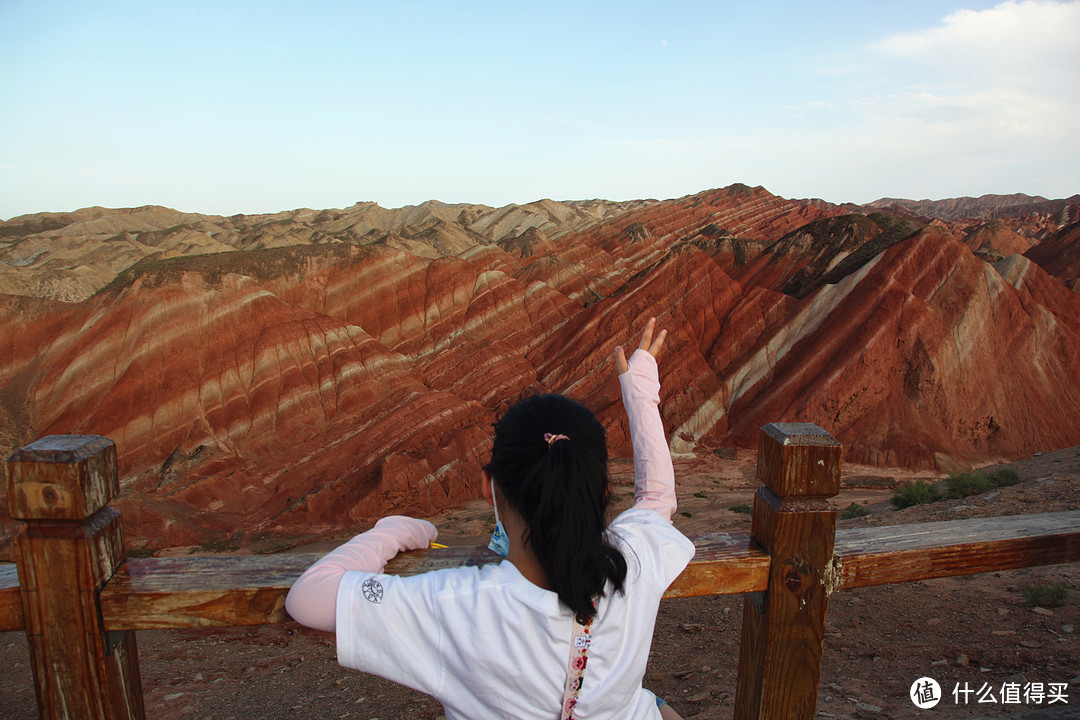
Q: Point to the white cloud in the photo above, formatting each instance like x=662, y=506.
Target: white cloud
x=1034, y=43
x=1008, y=74
x=985, y=101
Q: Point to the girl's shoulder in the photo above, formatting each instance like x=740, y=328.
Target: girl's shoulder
x=645, y=525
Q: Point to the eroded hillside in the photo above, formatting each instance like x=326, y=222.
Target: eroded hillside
x=299, y=373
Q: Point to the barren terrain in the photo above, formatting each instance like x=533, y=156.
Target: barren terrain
x=975, y=629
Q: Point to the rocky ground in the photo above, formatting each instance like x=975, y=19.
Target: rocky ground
x=975, y=631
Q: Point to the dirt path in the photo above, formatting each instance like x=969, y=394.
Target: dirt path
x=975, y=632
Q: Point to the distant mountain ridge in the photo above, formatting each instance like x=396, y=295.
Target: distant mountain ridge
x=298, y=373
x=70, y=256
x=985, y=206
x=961, y=207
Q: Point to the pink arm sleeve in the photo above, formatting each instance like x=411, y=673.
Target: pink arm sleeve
x=654, y=475
x=312, y=600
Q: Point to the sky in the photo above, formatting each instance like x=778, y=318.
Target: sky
x=251, y=107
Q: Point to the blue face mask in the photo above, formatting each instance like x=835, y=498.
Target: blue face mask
x=500, y=541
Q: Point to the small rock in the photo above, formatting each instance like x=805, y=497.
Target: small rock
x=1042, y=611
x=1066, y=628
x=698, y=697
x=1004, y=632
x=198, y=677
x=837, y=688
x=867, y=710
x=1030, y=644
x=933, y=621
x=173, y=696
x=692, y=627
x=1003, y=611
x=963, y=660
x=938, y=663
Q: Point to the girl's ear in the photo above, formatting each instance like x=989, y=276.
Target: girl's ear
x=485, y=486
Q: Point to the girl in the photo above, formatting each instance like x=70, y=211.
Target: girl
x=567, y=620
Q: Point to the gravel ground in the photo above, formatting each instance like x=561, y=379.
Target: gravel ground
x=974, y=631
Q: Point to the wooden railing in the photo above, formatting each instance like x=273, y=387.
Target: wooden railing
x=79, y=600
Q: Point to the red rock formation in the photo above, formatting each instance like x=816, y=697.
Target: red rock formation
x=996, y=240
x=1059, y=255
x=886, y=360
x=304, y=389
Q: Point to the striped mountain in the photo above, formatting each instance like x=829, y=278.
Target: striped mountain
x=317, y=369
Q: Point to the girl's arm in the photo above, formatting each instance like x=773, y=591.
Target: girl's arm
x=312, y=600
x=654, y=475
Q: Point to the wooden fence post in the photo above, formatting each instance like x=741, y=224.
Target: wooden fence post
x=70, y=545
x=784, y=627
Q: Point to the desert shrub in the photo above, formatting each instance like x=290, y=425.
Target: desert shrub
x=970, y=483
x=916, y=493
x=1005, y=477
x=1047, y=595
x=979, y=481
x=852, y=511
x=215, y=546
x=744, y=509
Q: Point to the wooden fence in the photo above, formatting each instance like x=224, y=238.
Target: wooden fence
x=80, y=601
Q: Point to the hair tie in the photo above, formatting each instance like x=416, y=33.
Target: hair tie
x=550, y=439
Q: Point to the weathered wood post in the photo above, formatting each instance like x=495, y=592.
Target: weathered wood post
x=70, y=545
x=784, y=627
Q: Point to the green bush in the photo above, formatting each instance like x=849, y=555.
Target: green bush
x=969, y=483
x=852, y=511
x=215, y=546
x=977, y=482
x=744, y=509
x=1005, y=477
x=916, y=493
x=1047, y=595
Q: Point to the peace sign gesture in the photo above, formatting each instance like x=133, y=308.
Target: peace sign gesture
x=649, y=343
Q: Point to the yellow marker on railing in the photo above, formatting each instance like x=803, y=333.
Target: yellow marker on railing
x=436, y=546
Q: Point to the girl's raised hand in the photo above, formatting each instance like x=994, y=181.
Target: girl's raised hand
x=651, y=342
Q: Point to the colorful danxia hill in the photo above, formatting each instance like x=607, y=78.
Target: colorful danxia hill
x=301, y=373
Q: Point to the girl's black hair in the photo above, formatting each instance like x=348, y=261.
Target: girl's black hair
x=561, y=491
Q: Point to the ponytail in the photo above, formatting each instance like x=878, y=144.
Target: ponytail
x=550, y=462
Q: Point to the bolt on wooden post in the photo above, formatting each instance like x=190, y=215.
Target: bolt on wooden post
x=70, y=544
x=784, y=627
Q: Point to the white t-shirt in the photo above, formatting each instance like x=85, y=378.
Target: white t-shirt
x=488, y=643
